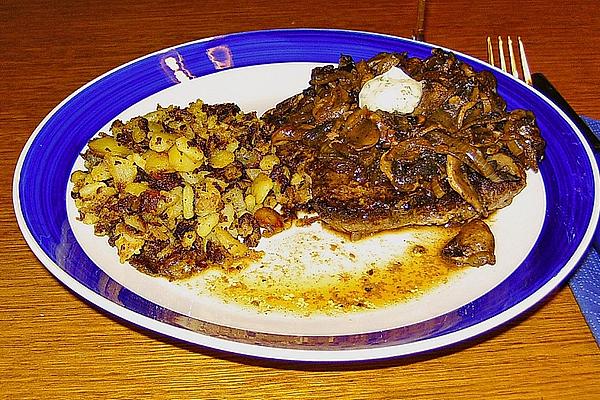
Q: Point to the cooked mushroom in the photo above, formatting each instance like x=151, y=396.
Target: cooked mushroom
x=473, y=245
x=460, y=183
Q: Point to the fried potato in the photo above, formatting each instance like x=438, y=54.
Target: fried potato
x=176, y=190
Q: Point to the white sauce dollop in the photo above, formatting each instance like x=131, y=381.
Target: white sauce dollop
x=392, y=91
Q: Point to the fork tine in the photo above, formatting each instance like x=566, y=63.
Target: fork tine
x=524, y=63
x=501, y=54
x=490, y=51
x=514, y=70
x=511, y=57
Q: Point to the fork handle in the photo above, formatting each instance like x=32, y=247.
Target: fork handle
x=543, y=85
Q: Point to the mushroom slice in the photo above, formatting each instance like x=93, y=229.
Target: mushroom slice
x=460, y=183
x=408, y=150
x=362, y=135
x=290, y=133
x=506, y=164
x=466, y=153
x=473, y=246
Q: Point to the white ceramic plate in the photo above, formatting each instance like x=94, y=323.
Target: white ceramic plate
x=540, y=237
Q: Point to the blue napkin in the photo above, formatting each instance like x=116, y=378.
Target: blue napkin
x=585, y=283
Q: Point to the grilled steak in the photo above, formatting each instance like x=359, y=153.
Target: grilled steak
x=458, y=156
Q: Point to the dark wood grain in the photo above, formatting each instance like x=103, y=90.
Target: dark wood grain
x=54, y=345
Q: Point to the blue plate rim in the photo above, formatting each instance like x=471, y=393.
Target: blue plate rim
x=304, y=354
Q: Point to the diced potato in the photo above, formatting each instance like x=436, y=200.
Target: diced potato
x=135, y=222
x=157, y=162
x=122, y=170
x=245, y=156
x=173, y=196
x=189, y=131
x=212, y=122
x=88, y=191
x=188, y=239
x=183, y=182
x=155, y=116
x=107, y=191
x=173, y=213
x=193, y=178
x=128, y=245
x=263, y=148
x=138, y=160
x=296, y=179
x=270, y=201
x=250, y=201
x=206, y=223
x=221, y=158
x=216, y=185
x=196, y=109
x=235, y=197
x=268, y=162
x=88, y=179
x=253, y=173
x=180, y=162
x=136, y=188
x=228, y=213
x=137, y=133
x=121, y=228
x=160, y=232
x=188, y=202
x=174, y=205
x=233, y=145
x=100, y=172
x=233, y=246
x=261, y=186
x=108, y=145
x=161, y=141
x=233, y=231
x=90, y=219
x=208, y=200
x=201, y=131
x=78, y=177
x=277, y=190
x=194, y=153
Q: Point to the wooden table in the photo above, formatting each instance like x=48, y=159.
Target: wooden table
x=54, y=345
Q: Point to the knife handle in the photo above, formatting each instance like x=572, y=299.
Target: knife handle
x=543, y=85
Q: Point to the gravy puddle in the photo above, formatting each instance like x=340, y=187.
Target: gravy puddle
x=310, y=270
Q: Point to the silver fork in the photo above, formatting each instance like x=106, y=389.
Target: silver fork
x=525, y=74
